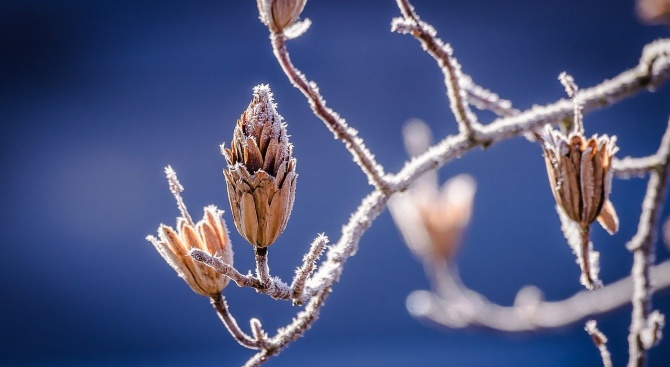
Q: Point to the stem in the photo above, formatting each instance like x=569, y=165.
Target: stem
x=219, y=304
x=333, y=121
x=642, y=245
x=262, y=268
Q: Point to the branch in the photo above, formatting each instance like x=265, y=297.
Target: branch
x=291, y=332
x=308, y=264
x=443, y=54
x=337, y=125
x=642, y=245
x=221, y=307
x=600, y=340
x=275, y=288
x=608, y=92
x=530, y=312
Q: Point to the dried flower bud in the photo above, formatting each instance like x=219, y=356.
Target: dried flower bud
x=279, y=14
x=209, y=234
x=580, y=176
x=261, y=171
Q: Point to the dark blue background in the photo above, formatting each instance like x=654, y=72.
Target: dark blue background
x=97, y=97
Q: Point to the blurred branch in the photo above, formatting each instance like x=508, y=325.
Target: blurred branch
x=642, y=245
x=462, y=307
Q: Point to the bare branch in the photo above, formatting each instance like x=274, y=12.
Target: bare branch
x=262, y=267
x=293, y=331
x=221, y=307
x=275, y=288
x=337, y=125
x=443, y=54
x=530, y=312
x=642, y=245
x=308, y=264
x=600, y=340
x=484, y=99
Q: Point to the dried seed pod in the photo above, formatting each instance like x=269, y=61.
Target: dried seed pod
x=580, y=176
x=433, y=222
x=209, y=234
x=261, y=171
x=279, y=14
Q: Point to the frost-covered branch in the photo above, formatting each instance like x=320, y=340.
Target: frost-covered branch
x=643, y=334
x=600, y=340
x=337, y=125
x=443, y=54
x=274, y=288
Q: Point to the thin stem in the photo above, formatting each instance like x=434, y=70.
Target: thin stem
x=221, y=307
x=584, y=257
x=600, y=340
x=308, y=264
x=262, y=268
x=443, y=55
x=484, y=99
x=275, y=289
x=642, y=245
x=333, y=121
x=297, y=328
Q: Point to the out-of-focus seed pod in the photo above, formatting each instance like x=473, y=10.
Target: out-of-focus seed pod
x=261, y=173
x=654, y=11
x=209, y=234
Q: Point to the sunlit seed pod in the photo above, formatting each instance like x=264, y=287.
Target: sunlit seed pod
x=260, y=176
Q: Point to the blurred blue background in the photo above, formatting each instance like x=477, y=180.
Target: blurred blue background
x=96, y=97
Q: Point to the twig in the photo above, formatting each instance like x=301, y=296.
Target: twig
x=262, y=268
x=337, y=125
x=275, y=288
x=600, y=340
x=642, y=245
x=308, y=264
x=529, y=313
x=443, y=54
x=219, y=304
x=484, y=99
x=291, y=332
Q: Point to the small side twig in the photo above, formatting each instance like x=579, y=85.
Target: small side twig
x=600, y=340
x=308, y=264
x=275, y=288
x=291, y=332
x=221, y=307
x=262, y=267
